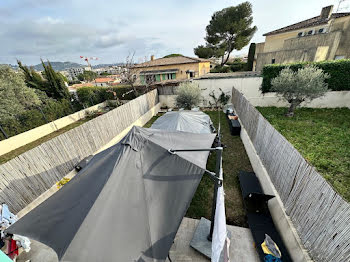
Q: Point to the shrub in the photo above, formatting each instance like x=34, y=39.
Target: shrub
x=338, y=71
x=29, y=119
x=251, y=55
x=306, y=84
x=220, y=101
x=220, y=69
x=188, y=95
x=94, y=95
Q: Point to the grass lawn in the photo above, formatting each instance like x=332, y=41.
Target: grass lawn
x=322, y=136
x=10, y=155
x=234, y=160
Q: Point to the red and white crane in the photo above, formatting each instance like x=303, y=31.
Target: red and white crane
x=87, y=59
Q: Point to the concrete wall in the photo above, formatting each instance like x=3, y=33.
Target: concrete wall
x=22, y=139
x=283, y=223
x=249, y=87
x=317, y=47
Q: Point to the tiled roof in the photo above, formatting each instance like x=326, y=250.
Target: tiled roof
x=104, y=80
x=171, y=61
x=318, y=20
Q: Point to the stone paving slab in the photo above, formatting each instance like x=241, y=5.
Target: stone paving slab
x=241, y=247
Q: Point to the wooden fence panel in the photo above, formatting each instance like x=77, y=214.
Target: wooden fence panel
x=27, y=176
x=320, y=216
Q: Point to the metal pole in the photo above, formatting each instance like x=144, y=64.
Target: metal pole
x=217, y=180
x=3, y=131
x=173, y=151
x=216, y=186
x=47, y=121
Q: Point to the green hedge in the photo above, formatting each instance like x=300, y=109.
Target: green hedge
x=33, y=118
x=236, y=66
x=94, y=95
x=339, y=71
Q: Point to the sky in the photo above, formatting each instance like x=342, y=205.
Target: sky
x=64, y=30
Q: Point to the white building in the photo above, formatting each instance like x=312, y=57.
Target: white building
x=74, y=72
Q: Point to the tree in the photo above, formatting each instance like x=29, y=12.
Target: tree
x=251, y=55
x=128, y=76
x=304, y=85
x=55, y=82
x=188, y=95
x=172, y=55
x=15, y=96
x=204, y=52
x=32, y=78
x=229, y=29
x=87, y=76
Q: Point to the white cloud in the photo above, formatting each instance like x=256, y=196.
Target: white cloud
x=50, y=20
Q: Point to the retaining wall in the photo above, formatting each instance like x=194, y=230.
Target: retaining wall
x=249, y=85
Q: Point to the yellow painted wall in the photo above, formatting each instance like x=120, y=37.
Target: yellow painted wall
x=321, y=53
x=288, y=47
x=275, y=42
x=199, y=69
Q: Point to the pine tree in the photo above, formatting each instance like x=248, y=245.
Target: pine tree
x=33, y=79
x=55, y=82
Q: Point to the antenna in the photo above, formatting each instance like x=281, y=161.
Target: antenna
x=339, y=8
x=336, y=11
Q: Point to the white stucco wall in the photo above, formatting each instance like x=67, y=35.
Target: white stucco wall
x=249, y=87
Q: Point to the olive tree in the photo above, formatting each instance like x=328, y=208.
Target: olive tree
x=15, y=96
x=303, y=85
x=188, y=95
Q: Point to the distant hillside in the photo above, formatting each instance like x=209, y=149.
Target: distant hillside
x=58, y=66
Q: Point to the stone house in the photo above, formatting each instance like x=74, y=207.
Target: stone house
x=170, y=69
x=324, y=37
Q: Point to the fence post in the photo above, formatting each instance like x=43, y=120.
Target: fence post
x=41, y=111
x=3, y=131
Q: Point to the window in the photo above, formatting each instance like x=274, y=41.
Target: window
x=338, y=57
x=310, y=32
x=322, y=30
x=150, y=79
x=168, y=76
x=273, y=61
x=191, y=74
x=300, y=34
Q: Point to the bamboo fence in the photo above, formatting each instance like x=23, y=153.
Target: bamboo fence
x=27, y=176
x=320, y=215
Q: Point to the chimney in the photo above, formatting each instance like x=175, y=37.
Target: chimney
x=326, y=12
x=152, y=57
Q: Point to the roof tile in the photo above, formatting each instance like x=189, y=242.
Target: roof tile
x=318, y=20
x=171, y=61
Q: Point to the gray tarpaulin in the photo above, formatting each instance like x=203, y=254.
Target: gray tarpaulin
x=186, y=121
x=126, y=204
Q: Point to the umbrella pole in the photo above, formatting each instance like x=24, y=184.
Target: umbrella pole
x=216, y=186
x=217, y=178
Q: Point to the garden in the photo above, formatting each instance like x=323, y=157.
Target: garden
x=322, y=136
x=235, y=159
